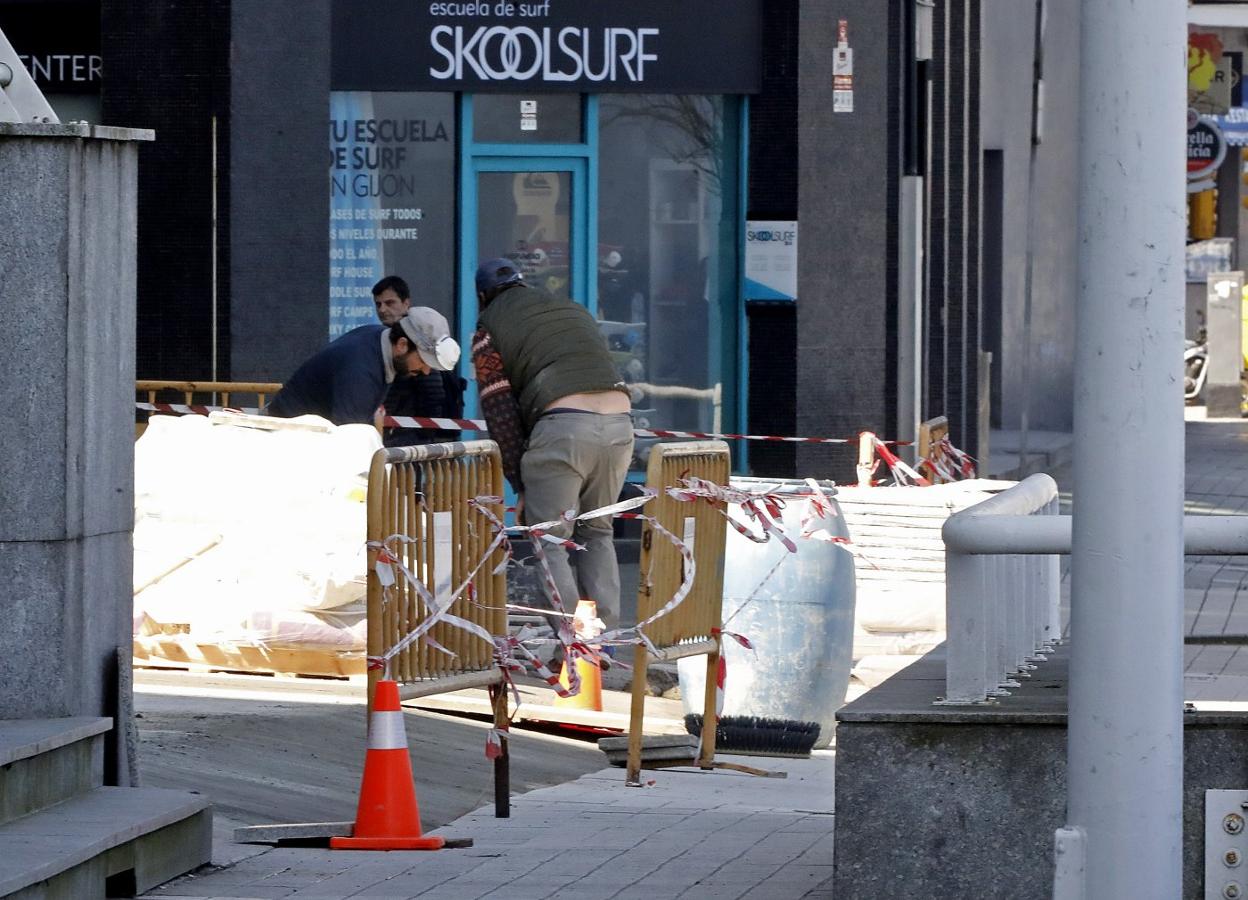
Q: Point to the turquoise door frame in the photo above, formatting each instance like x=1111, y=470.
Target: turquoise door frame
x=581, y=161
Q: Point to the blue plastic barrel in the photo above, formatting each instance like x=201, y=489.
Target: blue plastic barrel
x=800, y=619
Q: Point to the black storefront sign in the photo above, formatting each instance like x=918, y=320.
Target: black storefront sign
x=591, y=46
x=58, y=42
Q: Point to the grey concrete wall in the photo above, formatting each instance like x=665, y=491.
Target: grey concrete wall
x=844, y=350
x=947, y=810
x=963, y=801
x=67, y=321
x=278, y=185
x=1005, y=115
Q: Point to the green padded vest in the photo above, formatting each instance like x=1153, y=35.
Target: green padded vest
x=550, y=348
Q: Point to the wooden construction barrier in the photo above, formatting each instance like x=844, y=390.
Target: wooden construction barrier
x=423, y=493
x=939, y=461
x=215, y=393
x=693, y=627
x=931, y=433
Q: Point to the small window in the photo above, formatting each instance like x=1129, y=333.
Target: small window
x=527, y=118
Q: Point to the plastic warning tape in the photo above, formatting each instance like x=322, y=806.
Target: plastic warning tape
x=479, y=425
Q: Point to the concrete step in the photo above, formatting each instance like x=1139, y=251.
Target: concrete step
x=107, y=842
x=47, y=761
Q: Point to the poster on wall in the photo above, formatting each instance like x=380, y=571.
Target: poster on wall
x=391, y=201
x=771, y=260
x=1210, y=74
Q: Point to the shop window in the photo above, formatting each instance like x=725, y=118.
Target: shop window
x=526, y=216
x=527, y=118
x=391, y=201
x=667, y=255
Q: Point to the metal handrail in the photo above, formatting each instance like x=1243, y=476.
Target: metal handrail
x=1002, y=589
x=1002, y=583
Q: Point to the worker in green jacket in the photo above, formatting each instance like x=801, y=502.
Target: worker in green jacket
x=559, y=411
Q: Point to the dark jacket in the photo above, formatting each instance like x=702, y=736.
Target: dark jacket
x=345, y=382
x=550, y=347
x=438, y=395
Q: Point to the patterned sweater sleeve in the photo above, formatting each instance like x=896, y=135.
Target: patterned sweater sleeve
x=499, y=404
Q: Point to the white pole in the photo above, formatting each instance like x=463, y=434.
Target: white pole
x=1125, y=746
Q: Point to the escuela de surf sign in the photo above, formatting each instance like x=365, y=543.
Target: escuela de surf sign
x=651, y=46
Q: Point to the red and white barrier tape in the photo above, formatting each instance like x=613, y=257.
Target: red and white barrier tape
x=479, y=425
x=192, y=409
x=388, y=567
x=945, y=463
x=901, y=472
x=948, y=462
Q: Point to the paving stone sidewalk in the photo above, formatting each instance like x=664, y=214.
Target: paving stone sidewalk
x=1215, y=588
x=716, y=835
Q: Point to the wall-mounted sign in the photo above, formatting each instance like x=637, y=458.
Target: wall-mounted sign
x=1206, y=148
x=1234, y=126
x=528, y=115
x=642, y=46
x=770, y=260
x=1210, y=75
x=842, y=70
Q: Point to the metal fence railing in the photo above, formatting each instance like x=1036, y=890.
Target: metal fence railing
x=434, y=514
x=421, y=512
x=1002, y=582
x=691, y=628
x=1002, y=588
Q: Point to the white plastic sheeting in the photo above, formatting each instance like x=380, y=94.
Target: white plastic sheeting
x=247, y=534
x=900, y=568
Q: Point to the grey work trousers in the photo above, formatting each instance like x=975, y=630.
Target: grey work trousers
x=578, y=461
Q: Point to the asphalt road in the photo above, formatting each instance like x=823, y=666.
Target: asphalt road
x=270, y=750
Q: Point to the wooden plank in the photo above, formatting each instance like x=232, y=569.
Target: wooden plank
x=211, y=387
x=183, y=651
x=537, y=705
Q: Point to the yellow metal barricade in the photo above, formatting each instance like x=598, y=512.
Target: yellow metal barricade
x=208, y=393
x=424, y=494
x=692, y=628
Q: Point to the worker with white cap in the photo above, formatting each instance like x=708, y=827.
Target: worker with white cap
x=346, y=381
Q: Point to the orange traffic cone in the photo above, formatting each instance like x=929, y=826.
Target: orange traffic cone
x=387, y=817
x=587, y=625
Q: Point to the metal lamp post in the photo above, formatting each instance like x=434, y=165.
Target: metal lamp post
x=1125, y=751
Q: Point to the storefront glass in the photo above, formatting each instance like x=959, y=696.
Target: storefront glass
x=667, y=255
x=392, y=200
x=525, y=216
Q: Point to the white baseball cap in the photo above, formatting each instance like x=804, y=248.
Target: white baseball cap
x=430, y=334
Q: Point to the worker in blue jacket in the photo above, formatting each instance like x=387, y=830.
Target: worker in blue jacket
x=347, y=380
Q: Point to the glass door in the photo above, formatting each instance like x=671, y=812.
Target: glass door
x=526, y=216
x=533, y=210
